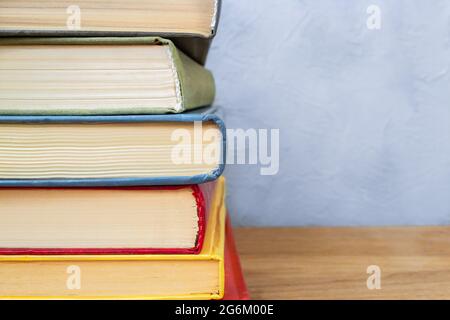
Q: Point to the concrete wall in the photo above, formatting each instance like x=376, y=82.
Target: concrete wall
x=364, y=115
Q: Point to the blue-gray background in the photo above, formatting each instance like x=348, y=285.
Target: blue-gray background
x=364, y=114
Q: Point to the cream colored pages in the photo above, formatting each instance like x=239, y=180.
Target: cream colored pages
x=98, y=218
x=156, y=16
x=88, y=79
x=114, y=150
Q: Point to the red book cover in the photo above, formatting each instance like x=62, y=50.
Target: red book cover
x=235, y=287
x=203, y=195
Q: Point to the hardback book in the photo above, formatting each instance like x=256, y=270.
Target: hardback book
x=99, y=76
x=235, y=287
x=154, y=276
x=104, y=221
x=190, y=23
x=102, y=151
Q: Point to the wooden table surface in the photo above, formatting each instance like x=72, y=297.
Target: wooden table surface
x=331, y=263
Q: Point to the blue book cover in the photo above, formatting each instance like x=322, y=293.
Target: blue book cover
x=96, y=151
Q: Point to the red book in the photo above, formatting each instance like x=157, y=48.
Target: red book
x=235, y=287
x=105, y=221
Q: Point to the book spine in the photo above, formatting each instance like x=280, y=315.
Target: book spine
x=235, y=286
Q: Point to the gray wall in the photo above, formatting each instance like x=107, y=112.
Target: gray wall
x=364, y=115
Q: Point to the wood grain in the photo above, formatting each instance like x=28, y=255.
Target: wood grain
x=331, y=263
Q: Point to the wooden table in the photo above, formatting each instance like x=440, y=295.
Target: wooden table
x=331, y=263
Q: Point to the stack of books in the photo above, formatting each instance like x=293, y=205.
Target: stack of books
x=111, y=155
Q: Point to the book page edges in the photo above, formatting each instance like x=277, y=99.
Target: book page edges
x=213, y=250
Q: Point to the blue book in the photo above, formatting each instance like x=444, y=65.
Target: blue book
x=92, y=151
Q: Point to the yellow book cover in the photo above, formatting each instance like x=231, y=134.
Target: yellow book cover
x=123, y=277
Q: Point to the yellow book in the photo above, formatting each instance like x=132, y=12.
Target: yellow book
x=123, y=277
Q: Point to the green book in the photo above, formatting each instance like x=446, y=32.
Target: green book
x=99, y=76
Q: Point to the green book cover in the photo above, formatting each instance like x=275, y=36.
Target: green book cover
x=100, y=76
